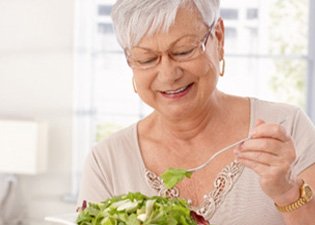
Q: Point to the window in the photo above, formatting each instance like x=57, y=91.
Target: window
x=104, y=28
x=265, y=57
x=253, y=32
x=104, y=10
x=230, y=33
x=252, y=13
x=229, y=14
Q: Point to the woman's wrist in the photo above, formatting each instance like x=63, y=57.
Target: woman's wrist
x=291, y=195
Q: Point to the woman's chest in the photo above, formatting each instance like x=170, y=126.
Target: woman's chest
x=205, y=195
x=246, y=204
x=216, y=177
x=211, y=181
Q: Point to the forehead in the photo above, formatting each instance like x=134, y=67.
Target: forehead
x=187, y=22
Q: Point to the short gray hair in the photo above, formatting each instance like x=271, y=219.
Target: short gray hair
x=132, y=19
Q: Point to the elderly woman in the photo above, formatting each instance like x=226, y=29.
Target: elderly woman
x=176, y=52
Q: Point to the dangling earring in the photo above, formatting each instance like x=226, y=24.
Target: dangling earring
x=134, y=85
x=222, y=67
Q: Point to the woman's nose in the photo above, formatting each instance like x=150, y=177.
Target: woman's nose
x=169, y=70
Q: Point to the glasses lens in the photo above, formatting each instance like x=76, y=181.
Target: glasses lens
x=142, y=58
x=185, y=49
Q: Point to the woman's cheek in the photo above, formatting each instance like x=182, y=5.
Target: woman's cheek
x=207, y=68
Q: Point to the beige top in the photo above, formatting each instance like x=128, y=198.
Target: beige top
x=115, y=167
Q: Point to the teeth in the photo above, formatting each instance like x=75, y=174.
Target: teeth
x=176, y=91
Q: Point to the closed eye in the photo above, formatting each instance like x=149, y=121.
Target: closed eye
x=183, y=52
x=146, y=61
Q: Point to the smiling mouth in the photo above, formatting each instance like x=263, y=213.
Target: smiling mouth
x=177, y=91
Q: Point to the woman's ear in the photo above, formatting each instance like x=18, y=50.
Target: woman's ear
x=219, y=34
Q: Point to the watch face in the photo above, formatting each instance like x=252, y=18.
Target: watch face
x=308, y=192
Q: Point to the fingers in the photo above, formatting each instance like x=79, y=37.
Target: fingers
x=259, y=122
x=265, y=151
x=270, y=153
x=266, y=157
x=269, y=145
x=269, y=130
x=253, y=159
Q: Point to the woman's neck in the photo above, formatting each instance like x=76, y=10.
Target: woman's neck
x=206, y=119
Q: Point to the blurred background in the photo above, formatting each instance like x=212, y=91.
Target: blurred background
x=65, y=85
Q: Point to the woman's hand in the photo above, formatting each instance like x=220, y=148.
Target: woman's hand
x=270, y=153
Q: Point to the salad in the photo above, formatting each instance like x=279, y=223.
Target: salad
x=138, y=209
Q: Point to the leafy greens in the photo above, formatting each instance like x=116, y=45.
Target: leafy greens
x=173, y=176
x=137, y=209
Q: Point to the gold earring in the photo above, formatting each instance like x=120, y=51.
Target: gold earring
x=222, y=65
x=134, y=85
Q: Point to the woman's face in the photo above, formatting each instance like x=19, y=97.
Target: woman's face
x=179, y=89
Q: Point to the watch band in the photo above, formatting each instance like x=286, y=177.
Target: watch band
x=306, y=195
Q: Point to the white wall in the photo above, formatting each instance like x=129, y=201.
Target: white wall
x=36, y=81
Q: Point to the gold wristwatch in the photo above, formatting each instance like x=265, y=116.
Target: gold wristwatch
x=306, y=195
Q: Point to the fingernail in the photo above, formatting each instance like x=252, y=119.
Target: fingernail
x=240, y=147
x=237, y=152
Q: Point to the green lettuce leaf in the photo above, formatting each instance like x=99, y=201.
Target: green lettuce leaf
x=173, y=176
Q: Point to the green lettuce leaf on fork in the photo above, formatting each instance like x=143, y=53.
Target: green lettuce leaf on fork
x=173, y=176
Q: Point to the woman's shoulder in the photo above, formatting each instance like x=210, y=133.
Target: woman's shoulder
x=122, y=140
x=123, y=134
x=271, y=110
x=260, y=104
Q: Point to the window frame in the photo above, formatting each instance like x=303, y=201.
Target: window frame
x=311, y=63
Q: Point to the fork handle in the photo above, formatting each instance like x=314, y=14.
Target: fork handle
x=223, y=150
x=218, y=153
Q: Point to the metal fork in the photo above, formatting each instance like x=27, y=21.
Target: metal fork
x=216, y=154
x=192, y=170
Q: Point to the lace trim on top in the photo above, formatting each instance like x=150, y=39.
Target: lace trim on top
x=223, y=183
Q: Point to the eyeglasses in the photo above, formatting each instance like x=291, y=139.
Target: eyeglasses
x=185, y=49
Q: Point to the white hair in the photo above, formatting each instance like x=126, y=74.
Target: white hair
x=132, y=19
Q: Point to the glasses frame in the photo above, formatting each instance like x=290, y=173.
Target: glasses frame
x=202, y=45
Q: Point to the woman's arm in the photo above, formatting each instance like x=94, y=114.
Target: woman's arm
x=305, y=214
x=271, y=153
x=94, y=185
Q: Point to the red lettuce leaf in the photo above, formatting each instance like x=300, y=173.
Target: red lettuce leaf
x=200, y=220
